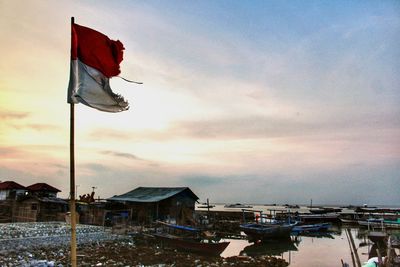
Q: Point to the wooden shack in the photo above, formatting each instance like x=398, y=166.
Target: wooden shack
x=92, y=213
x=144, y=205
x=32, y=208
x=39, y=204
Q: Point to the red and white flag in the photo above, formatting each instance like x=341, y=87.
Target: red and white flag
x=94, y=60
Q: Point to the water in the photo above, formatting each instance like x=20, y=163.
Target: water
x=313, y=251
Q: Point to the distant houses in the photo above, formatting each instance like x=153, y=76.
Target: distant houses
x=37, y=202
x=140, y=206
x=11, y=190
x=43, y=190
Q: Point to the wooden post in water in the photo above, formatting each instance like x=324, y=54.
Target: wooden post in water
x=358, y=262
x=208, y=211
x=351, y=249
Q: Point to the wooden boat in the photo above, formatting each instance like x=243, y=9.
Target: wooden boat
x=267, y=231
x=380, y=223
x=307, y=228
x=392, y=223
x=328, y=217
x=205, y=246
x=348, y=221
x=190, y=239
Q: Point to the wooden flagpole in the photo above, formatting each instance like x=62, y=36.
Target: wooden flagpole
x=72, y=177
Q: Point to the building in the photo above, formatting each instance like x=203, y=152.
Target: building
x=43, y=190
x=144, y=205
x=31, y=208
x=40, y=204
x=37, y=202
x=11, y=190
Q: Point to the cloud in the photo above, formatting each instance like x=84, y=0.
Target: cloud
x=37, y=127
x=7, y=115
x=130, y=156
x=269, y=127
x=10, y=152
x=120, y=154
x=203, y=180
x=106, y=133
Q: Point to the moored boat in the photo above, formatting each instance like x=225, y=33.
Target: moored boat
x=267, y=231
x=307, y=228
x=204, y=246
x=190, y=239
x=380, y=223
x=328, y=217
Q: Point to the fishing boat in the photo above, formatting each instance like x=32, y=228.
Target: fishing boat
x=267, y=231
x=328, y=217
x=190, y=239
x=307, y=228
x=265, y=227
x=348, y=221
x=203, y=246
x=380, y=223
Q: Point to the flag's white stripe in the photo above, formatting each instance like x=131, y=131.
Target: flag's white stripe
x=90, y=87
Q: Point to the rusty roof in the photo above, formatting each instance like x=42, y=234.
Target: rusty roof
x=8, y=185
x=42, y=187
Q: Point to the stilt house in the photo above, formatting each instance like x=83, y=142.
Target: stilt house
x=144, y=205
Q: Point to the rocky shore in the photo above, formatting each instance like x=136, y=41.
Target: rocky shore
x=47, y=244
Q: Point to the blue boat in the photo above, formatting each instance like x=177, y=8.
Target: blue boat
x=308, y=228
x=267, y=231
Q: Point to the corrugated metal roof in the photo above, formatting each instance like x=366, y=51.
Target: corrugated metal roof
x=152, y=194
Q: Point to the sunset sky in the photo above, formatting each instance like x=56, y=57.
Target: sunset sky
x=242, y=101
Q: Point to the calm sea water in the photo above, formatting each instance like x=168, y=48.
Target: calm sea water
x=313, y=251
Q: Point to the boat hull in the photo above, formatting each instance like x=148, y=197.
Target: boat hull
x=380, y=224
x=191, y=245
x=320, y=227
x=319, y=217
x=265, y=232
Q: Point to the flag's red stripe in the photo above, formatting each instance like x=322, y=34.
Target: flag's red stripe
x=96, y=50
